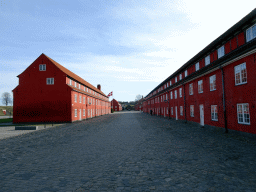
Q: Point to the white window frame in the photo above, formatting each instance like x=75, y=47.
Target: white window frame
x=180, y=76
x=200, y=86
x=80, y=99
x=212, y=81
x=83, y=112
x=191, y=89
x=70, y=82
x=175, y=94
x=170, y=83
x=192, y=110
x=84, y=100
x=221, y=51
x=242, y=105
x=249, y=33
x=238, y=70
x=50, y=81
x=214, y=112
x=75, y=112
x=42, y=67
x=75, y=98
x=171, y=95
x=197, y=66
x=181, y=110
x=175, y=79
x=79, y=86
x=207, y=60
x=75, y=84
x=186, y=73
x=181, y=92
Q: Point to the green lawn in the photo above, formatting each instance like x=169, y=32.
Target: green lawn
x=5, y=120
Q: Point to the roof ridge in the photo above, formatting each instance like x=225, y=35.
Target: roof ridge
x=73, y=75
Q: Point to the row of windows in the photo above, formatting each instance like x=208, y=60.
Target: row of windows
x=243, y=115
x=89, y=112
x=250, y=34
x=240, y=78
x=91, y=101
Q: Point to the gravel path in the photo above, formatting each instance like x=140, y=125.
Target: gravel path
x=127, y=152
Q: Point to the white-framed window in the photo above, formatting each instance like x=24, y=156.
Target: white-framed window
x=221, y=52
x=171, y=95
x=214, y=112
x=191, y=110
x=42, y=67
x=70, y=82
x=207, y=60
x=181, y=110
x=180, y=92
x=200, y=86
x=84, y=100
x=170, y=83
x=240, y=74
x=79, y=86
x=75, y=98
x=175, y=79
x=75, y=84
x=164, y=86
x=243, y=114
x=80, y=99
x=84, y=88
x=171, y=110
x=83, y=112
x=213, y=83
x=75, y=112
x=50, y=81
x=191, y=89
x=180, y=76
x=87, y=89
x=186, y=73
x=197, y=66
x=175, y=94
x=251, y=33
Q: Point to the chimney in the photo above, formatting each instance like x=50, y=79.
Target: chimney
x=99, y=87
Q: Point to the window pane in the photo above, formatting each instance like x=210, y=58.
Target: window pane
x=254, y=32
x=248, y=34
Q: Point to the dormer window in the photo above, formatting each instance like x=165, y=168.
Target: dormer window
x=186, y=73
x=251, y=33
x=180, y=76
x=197, y=66
x=207, y=60
x=221, y=52
x=70, y=82
x=42, y=67
x=75, y=84
x=175, y=79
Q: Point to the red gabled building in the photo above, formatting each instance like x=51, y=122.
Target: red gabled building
x=115, y=105
x=217, y=86
x=48, y=92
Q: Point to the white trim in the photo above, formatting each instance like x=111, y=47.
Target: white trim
x=42, y=67
x=242, y=104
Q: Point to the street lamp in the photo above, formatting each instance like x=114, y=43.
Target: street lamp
x=168, y=106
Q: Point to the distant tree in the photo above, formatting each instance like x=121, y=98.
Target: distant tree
x=6, y=98
x=138, y=97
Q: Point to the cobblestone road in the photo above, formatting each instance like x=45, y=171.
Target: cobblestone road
x=127, y=152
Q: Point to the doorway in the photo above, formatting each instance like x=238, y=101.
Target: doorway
x=201, y=115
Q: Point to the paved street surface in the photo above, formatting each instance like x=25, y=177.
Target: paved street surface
x=127, y=152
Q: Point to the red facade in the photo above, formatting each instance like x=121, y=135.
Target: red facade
x=115, y=105
x=52, y=94
x=224, y=90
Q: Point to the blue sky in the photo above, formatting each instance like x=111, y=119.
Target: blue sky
x=128, y=47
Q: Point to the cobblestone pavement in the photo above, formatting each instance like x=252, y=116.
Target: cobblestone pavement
x=127, y=152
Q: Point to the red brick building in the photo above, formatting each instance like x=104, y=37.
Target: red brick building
x=139, y=105
x=115, y=105
x=217, y=86
x=48, y=92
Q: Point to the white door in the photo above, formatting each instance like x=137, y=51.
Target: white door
x=80, y=115
x=176, y=112
x=201, y=114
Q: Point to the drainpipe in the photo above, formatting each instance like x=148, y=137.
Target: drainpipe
x=224, y=102
x=184, y=103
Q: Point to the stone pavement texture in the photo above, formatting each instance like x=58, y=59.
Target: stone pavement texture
x=127, y=152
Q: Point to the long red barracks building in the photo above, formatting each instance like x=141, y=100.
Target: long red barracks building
x=115, y=105
x=217, y=86
x=48, y=92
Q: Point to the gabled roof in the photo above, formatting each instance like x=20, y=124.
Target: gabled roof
x=74, y=76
